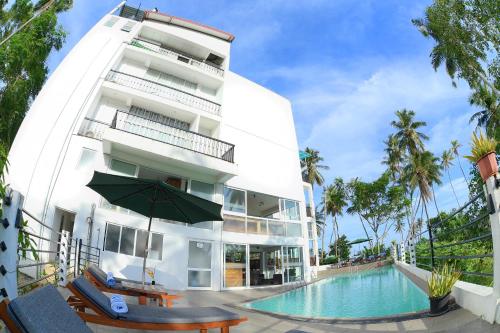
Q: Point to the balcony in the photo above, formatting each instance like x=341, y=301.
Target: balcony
x=145, y=127
x=261, y=226
x=163, y=91
x=175, y=55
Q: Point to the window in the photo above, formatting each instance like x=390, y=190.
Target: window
x=290, y=209
x=200, y=264
x=294, y=230
x=132, y=242
x=122, y=168
x=128, y=26
x=234, y=200
x=87, y=158
x=111, y=22
x=205, y=191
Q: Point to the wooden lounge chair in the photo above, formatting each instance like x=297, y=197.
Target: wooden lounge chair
x=40, y=311
x=99, y=278
x=87, y=296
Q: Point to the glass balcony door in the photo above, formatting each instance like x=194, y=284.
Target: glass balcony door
x=293, y=264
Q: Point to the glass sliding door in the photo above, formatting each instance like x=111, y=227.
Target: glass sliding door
x=265, y=265
x=235, y=265
x=293, y=263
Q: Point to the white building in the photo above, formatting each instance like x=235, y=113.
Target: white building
x=145, y=94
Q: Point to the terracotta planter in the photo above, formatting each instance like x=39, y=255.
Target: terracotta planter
x=439, y=305
x=488, y=165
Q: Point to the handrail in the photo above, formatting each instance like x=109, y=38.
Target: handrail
x=216, y=106
x=198, y=63
x=211, y=147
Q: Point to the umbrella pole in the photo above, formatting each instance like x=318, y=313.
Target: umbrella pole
x=146, y=252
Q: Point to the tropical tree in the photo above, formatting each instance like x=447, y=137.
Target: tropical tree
x=320, y=222
x=311, y=167
x=335, y=202
x=455, y=146
x=423, y=171
x=488, y=117
x=407, y=134
x=377, y=203
x=466, y=35
x=394, y=157
x=28, y=33
x=399, y=227
x=446, y=163
x=341, y=248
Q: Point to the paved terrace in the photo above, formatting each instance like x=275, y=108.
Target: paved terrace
x=459, y=320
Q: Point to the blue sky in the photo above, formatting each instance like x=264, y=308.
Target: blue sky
x=346, y=66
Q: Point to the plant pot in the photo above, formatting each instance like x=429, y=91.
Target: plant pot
x=487, y=165
x=153, y=282
x=439, y=305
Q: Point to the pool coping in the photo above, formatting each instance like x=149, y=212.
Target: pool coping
x=340, y=320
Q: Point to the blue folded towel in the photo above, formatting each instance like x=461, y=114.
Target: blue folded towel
x=110, y=280
x=118, y=304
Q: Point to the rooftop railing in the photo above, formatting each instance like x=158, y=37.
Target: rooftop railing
x=135, y=124
x=207, y=67
x=163, y=91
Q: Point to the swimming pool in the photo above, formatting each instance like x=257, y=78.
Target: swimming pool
x=380, y=292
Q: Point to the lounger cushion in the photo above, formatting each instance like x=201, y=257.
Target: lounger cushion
x=94, y=295
x=101, y=276
x=44, y=310
x=153, y=314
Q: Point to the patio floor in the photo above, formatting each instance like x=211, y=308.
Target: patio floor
x=455, y=321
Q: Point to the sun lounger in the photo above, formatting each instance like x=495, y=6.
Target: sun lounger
x=87, y=296
x=98, y=277
x=40, y=311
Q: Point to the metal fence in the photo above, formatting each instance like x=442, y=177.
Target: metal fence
x=187, y=59
x=164, y=91
x=138, y=125
x=47, y=255
x=462, y=239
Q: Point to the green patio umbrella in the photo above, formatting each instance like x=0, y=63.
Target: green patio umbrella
x=359, y=241
x=154, y=199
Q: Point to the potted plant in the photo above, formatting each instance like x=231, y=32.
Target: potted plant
x=483, y=154
x=440, y=284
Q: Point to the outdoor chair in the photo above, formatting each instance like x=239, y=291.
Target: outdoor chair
x=42, y=310
x=87, y=296
x=98, y=277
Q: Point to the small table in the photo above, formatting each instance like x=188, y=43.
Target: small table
x=149, y=290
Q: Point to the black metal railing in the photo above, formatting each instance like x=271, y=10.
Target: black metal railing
x=174, y=54
x=462, y=239
x=87, y=255
x=138, y=125
x=164, y=91
x=132, y=13
x=93, y=128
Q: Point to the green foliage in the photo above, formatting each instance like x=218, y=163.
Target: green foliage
x=330, y=260
x=481, y=146
x=23, y=58
x=25, y=243
x=442, y=280
x=312, y=165
x=343, y=248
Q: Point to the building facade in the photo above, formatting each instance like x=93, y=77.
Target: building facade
x=145, y=94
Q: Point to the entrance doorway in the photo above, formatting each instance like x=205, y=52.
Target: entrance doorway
x=265, y=265
x=63, y=221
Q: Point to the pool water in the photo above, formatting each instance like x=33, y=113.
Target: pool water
x=380, y=292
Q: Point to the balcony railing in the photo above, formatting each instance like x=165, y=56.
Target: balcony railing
x=140, y=43
x=261, y=226
x=93, y=128
x=163, y=91
x=135, y=124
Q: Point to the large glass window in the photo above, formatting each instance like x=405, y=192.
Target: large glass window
x=205, y=191
x=130, y=241
x=122, y=168
x=290, y=210
x=234, y=200
x=235, y=265
x=294, y=230
x=87, y=159
x=293, y=263
x=200, y=264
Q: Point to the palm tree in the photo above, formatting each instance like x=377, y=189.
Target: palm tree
x=311, y=167
x=455, y=145
x=446, y=163
x=399, y=227
x=335, y=201
x=488, y=117
x=424, y=171
x=394, y=157
x=407, y=134
x=320, y=227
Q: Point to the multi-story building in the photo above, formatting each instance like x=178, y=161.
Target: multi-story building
x=145, y=94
